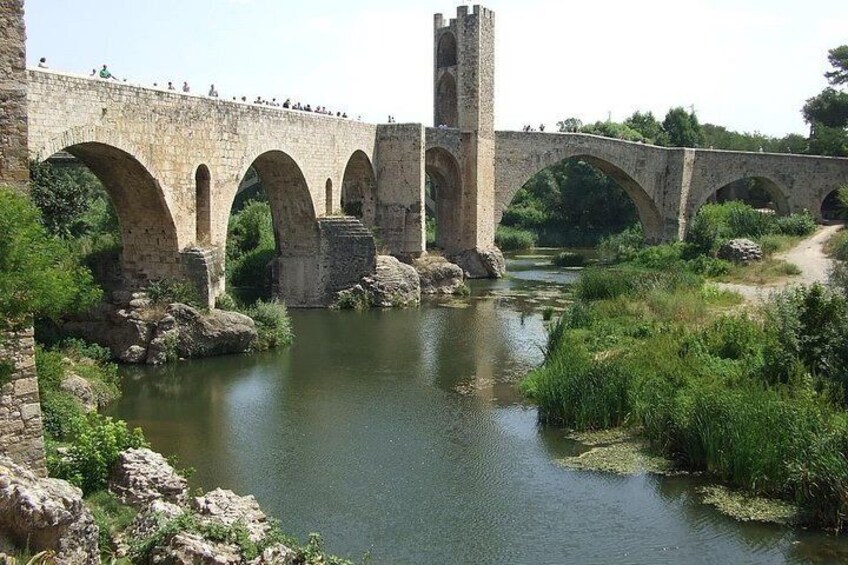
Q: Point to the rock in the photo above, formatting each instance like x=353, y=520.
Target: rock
x=141, y=333
x=225, y=507
x=481, y=263
x=438, y=275
x=80, y=389
x=151, y=517
x=740, y=251
x=394, y=284
x=142, y=476
x=217, y=333
x=187, y=548
x=46, y=514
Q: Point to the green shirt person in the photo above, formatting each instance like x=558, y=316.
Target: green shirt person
x=105, y=74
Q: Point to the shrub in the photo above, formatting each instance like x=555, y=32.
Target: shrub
x=250, y=270
x=250, y=228
x=622, y=246
x=272, y=324
x=837, y=246
x=111, y=517
x=168, y=291
x=94, y=451
x=226, y=302
x=514, y=239
x=569, y=259
x=796, y=224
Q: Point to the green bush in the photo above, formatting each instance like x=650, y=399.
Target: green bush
x=796, y=224
x=250, y=228
x=37, y=273
x=622, y=246
x=514, y=239
x=169, y=291
x=93, y=452
x=272, y=324
x=250, y=270
x=569, y=259
x=837, y=246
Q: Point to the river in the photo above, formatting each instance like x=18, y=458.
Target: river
x=401, y=435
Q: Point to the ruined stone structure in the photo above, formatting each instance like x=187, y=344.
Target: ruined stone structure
x=172, y=164
x=20, y=412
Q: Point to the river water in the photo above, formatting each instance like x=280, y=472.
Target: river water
x=400, y=435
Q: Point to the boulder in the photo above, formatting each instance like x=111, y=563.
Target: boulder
x=142, y=476
x=137, y=331
x=226, y=507
x=46, y=514
x=438, y=275
x=217, y=332
x=394, y=284
x=481, y=263
x=80, y=389
x=151, y=517
x=740, y=251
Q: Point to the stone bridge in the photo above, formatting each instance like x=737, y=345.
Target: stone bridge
x=172, y=164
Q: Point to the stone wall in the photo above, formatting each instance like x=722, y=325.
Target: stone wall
x=21, y=434
x=13, y=99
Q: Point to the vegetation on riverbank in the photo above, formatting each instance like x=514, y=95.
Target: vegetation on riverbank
x=755, y=398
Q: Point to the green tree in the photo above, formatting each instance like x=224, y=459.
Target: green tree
x=570, y=125
x=38, y=275
x=681, y=129
x=827, y=113
x=647, y=125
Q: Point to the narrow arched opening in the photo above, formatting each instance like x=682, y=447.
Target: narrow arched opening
x=446, y=55
x=111, y=210
x=272, y=240
x=203, y=205
x=359, y=189
x=833, y=208
x=447, y=113
x=443, y=203
x=328, y=197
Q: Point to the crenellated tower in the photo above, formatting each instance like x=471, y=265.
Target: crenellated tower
x=464, y=99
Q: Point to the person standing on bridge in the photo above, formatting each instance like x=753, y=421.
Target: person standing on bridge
x=213, y=93
x=42, y=63
x=186, y=88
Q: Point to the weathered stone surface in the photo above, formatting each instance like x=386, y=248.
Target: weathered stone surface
x=481, y=263
x=226, y=507
x=193, y=549
x=154, y=334
x=46, y=514
x=438, y=275
x=150, y=517
x=216, y=333
x=20, y=412
x=80, y=389
x=141, y=476
x=394, y=284
x=741, y=251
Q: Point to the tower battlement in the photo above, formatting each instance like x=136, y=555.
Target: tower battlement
x=462, y=13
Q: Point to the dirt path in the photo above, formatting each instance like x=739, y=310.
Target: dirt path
x=808, y=255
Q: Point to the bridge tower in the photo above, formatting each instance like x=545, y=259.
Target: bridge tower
x=464, y=99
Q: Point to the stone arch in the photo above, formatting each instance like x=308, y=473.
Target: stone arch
x=443, y=170
x=328, y=197
x=295, y=270
x=359, y=189
x=446, y=54
x=649, y=214
x=778, y=194
x=149, y=239
x=829, y=208
x=447, y=112
x=203, y=205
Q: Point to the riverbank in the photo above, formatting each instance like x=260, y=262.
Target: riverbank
x=755, y=399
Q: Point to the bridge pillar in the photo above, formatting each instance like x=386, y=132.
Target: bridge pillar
x=464, y=82
x=399, y=162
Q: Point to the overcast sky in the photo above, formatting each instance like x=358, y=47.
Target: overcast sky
x=745, y=64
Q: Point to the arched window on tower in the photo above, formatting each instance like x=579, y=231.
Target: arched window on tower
x=446, y=56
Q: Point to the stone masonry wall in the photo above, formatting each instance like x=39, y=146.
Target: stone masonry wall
x=13, y=100
x=21, y=434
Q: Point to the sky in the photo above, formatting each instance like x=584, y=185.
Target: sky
x=746, y=64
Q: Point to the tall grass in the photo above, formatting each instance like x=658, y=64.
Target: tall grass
x=515, y=239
